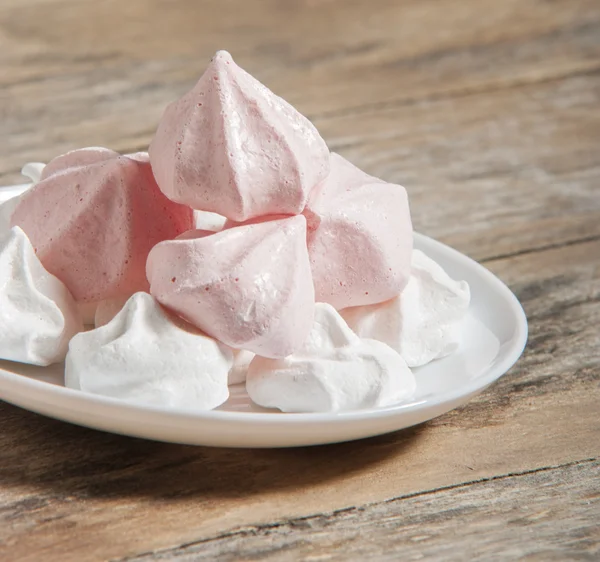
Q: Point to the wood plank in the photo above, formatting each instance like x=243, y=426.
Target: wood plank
x=523, y=162
x=325, y=37
x=71, y=493
x=65, y=85
x=520, y=156
x=485, y=110
x=544, y=515
x=523, y=165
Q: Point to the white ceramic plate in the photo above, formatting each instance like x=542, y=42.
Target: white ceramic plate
x=494, y=335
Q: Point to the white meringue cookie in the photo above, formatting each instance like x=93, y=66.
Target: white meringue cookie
x=334, y=371
x=212, y=222
x=6, y=211
x=38, y=315
x=33, y=171
x=423, y=323
x=239, y=369
x=249, y=286
x=145, y=355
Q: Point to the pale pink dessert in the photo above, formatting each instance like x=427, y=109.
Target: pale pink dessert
x=93, y=218
x=239, y=221
x=359, y=237
x=77, y=159
x=232, y=147
x=249, y=286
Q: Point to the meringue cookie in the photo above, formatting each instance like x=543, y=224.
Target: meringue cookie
x=205, y=220
x=78, y=158
x=143, y=355
x=239, y=369
x=360, y=237
x=94, y=217
x=6, y=211
x=232, y=147
x=334, y=371
x=33, y=171
x=248, y=286
x=423, y=323
x=38, y=315
x=139, y=156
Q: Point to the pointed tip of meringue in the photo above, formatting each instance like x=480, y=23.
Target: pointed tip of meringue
x=38, y=314
x=33, y=171
x=220, y=69
x=16, y=237
x=222, y=56
x=329, y=330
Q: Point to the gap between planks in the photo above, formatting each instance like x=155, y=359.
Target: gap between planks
x=255, y=529
x=403, y=102
x=538, y=249
x=458, y=93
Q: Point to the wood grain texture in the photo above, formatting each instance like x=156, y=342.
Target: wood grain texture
x=133, y=496
x=65, y=85
x=527, y=157
x=488, y=113
x=505, y=518
x=525, y=146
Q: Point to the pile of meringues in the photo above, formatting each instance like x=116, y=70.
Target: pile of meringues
x=237, y=249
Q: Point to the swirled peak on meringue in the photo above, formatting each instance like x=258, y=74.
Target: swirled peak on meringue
x=422, y=323
x=231, y=146
x=335, y=370
x=38, y=315
x=360, y=237
x=32, y=171
x=94, y=217
x=248, y=286
x=147, y=356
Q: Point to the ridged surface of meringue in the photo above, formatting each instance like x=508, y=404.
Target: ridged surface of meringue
x=232, y=147
x=334, y=371
x=32, y=171
x=249, y=286
x=94, y=217
x=146, y=356
x=360, y=237
x=38, y=315
x=6, y=211
x=423, y=323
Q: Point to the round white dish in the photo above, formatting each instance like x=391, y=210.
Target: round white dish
x=494, y=336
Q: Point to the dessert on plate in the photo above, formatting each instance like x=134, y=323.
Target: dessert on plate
x=237, y=250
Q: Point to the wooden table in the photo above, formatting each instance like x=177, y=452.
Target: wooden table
x=489, y=113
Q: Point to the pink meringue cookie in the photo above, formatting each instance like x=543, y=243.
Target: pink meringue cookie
x=360, y=237
x=232, y=147
x=93, y=220
x=249, y=286
x=77, y=158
